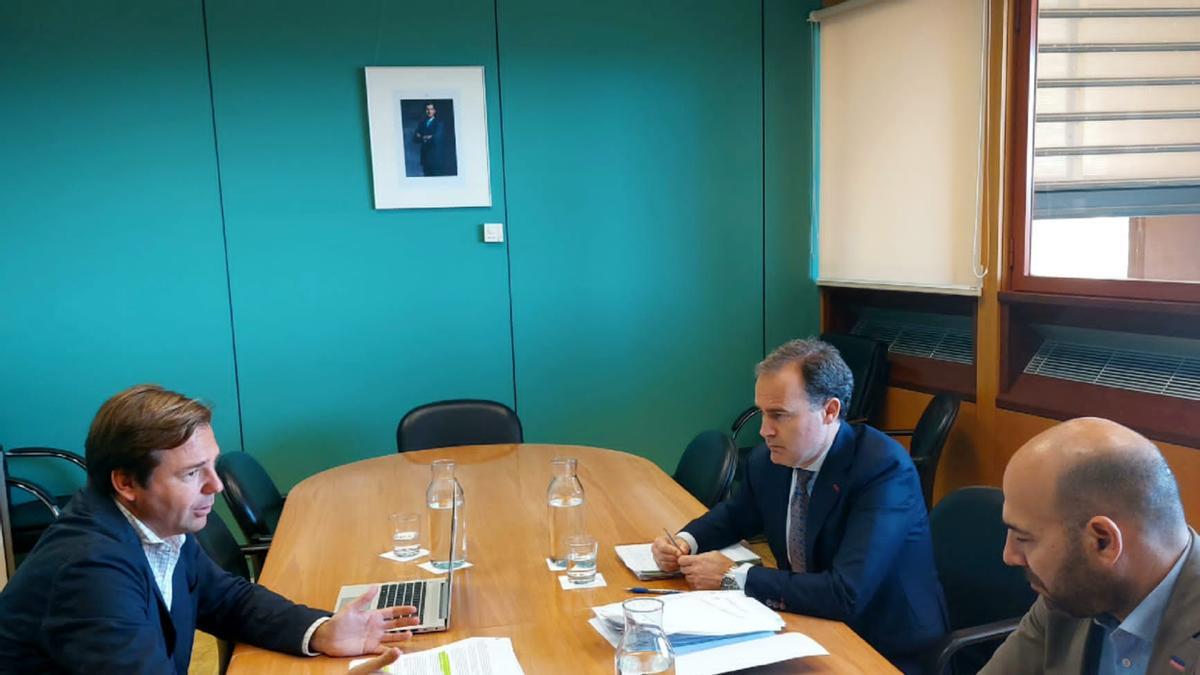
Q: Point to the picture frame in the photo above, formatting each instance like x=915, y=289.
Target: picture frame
x=429, y=141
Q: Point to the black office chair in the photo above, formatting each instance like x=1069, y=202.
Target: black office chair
x=868, y=362
x=220, y=545
x=707, y=466
x=985, y=598
x=251, y=495
x=928, y=439
x=30, y=519
x=458, y=422
x=6, y=549
x=218, y=542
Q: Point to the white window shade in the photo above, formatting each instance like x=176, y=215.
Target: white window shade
x=1118, y=98
x=900, y=110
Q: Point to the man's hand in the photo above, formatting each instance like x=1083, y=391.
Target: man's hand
x=666, y=554
x=705, y=571
x=357, y=630
x=378, y=663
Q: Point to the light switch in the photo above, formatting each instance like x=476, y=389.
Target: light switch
x=493, y=233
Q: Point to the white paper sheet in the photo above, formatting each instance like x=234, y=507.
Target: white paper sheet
x=706, y=613
x=780, y=647
x=639, y=559
x=472, y=656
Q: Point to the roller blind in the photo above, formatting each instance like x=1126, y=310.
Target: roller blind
x=900, y=109
x=1117, y=109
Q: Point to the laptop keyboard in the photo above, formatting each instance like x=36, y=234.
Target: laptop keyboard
x=404, y=593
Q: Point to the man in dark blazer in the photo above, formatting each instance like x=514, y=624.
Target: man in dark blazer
x=428, y=135
x=842, y=509
x=1094, y=518
x=118, y=583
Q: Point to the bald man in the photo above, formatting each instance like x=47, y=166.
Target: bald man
x=1094, y=518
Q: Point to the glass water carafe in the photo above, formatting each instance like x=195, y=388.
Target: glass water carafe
x=564, y=499
x=644, y=648
x=445, y=500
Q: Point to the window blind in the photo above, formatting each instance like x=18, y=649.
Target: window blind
x=899, y=143
x=1117, y=108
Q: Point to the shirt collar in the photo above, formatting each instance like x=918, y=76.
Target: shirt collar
x=146, y=534
x=1144, y=620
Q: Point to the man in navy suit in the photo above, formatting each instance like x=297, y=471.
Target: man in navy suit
x=842, y=509
x=118, y=584
x=428, y=135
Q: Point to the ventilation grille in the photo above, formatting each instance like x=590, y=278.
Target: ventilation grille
x=1148, y=372
x=944, y=343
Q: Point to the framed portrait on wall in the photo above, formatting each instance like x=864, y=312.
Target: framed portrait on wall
x=429, y=146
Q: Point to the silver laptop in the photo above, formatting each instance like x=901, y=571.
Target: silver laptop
x=431, y=597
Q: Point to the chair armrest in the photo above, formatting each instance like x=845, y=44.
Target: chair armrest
x=37, y=491
x=263, y=540
x=256, y=548
x=54, y=453
x=965, y=637
x=898, y=432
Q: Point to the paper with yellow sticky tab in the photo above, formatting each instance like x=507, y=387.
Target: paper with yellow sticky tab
x=472, y=656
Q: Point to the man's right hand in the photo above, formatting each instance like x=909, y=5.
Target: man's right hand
x=666, y=554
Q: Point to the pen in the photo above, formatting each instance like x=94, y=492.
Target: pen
x=671, y=538
x=652, y=591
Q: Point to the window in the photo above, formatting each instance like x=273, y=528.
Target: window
x=1107, y=201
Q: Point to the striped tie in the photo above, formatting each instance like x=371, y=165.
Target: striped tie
x=799, y=519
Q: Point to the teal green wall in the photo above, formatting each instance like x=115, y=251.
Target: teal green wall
x=650, y=160
x=346, y=316
x=792, y=302
x=635, y=198
x=112, y=270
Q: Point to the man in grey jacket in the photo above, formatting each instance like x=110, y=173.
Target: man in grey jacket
x=1094, y=518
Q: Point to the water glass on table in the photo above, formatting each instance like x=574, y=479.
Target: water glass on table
x=581, y=558
x=406, y=535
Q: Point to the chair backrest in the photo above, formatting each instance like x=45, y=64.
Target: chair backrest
x=929, y=437
x=7, y=564
x=868, y=362
x=250, y=494
x=458, y=422
x=218, y=542
x=968, y=542
x=707, y=466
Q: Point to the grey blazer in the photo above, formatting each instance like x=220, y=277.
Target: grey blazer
x=1054, y=643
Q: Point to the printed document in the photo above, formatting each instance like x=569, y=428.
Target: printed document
x=472, y=656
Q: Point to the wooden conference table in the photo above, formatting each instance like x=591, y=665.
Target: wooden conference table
x=335, y=525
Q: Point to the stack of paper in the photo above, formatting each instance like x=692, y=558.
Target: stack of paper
x=640, y=561
x=703, y=614
x=472, y=656
x=716, y=632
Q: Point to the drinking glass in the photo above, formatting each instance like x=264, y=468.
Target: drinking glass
x=581, y=558
x=406, y=535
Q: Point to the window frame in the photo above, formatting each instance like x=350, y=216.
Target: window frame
x=1020, y=123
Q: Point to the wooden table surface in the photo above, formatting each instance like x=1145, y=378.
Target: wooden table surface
x=335, y=525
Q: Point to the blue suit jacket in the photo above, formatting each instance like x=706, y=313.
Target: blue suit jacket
x=868, y=550
x=84, y=601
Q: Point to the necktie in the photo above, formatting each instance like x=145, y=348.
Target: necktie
x=799, y=518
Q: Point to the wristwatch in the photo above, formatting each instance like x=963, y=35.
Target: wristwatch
x=729, y=582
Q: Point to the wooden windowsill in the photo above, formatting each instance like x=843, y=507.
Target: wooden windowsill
x=1163, y=418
